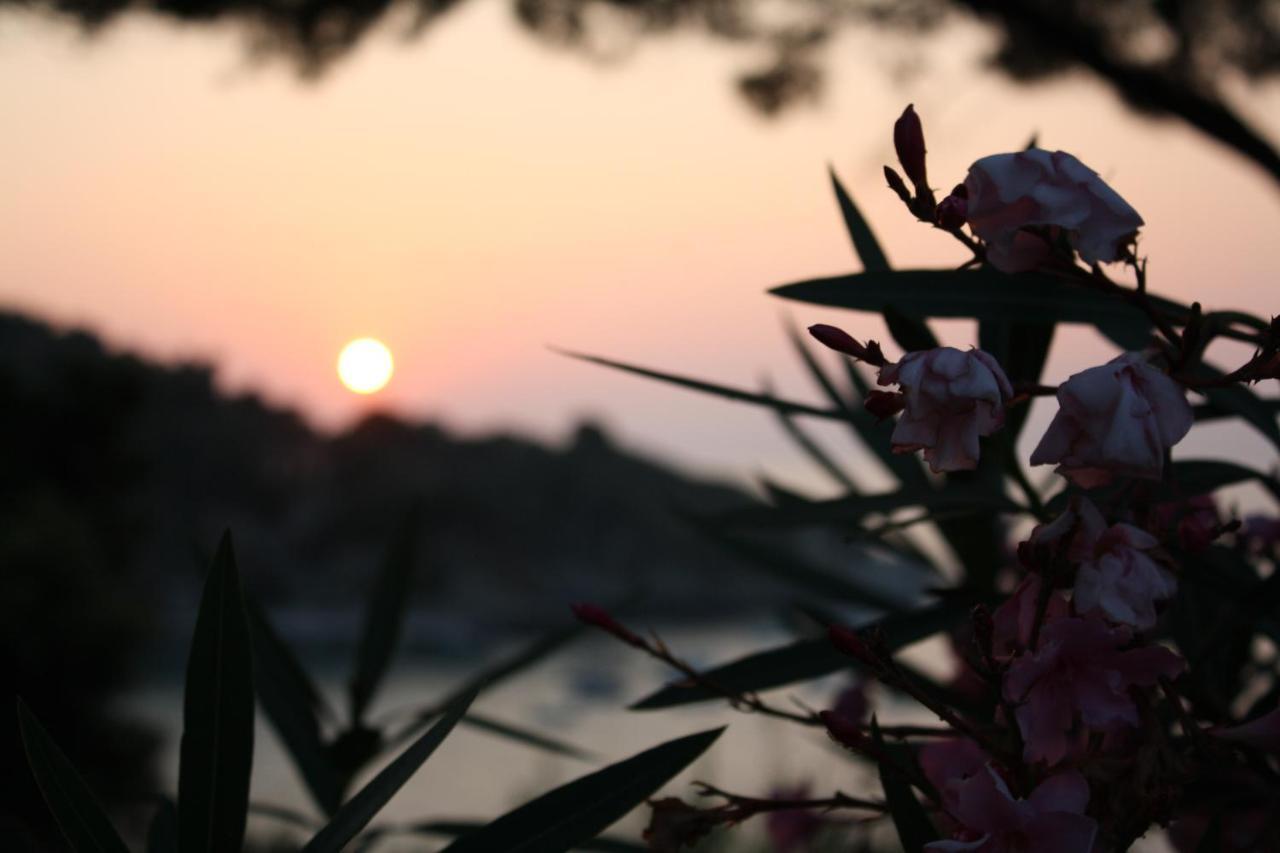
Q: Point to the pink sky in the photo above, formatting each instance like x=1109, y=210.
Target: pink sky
x=475, y=196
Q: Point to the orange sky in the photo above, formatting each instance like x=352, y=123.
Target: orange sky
x=475, y=196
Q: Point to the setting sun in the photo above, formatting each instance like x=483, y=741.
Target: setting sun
x=365, y=365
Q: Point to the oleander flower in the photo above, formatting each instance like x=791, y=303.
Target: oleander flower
x=951, y=398
x=1010, y=192
x=1118, y=418
x=1050, y=820
x=949, y=762
x=1079, y=677
x=1121, y=579
x=1014, y=619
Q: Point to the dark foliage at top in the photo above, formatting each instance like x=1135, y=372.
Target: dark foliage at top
x=1167, y=57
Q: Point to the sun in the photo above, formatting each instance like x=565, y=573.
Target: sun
x=365, y=365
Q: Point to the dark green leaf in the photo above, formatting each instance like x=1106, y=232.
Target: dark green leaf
x=384, y=615
x=815, y=451
x=217, y=733
x=1021, y=349
x=735, y=394
x=162, y=835
x=574, y=813
x=806, y=660
x=909, y=817
x=909, y=332
x=499, y=671
x=454, y=828
x=983, y=294
x=356, y=813
x=290, y=701
x=864, y=240
x=1199, y=476
x=851, y=509
x=519, y=734
x=783, y=564
x=82, y=820
x=1240, y=400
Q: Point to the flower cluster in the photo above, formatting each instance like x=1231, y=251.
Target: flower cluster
x=1097, y=696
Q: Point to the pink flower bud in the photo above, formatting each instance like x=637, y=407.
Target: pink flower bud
x=850, y=642
x=908, y=141
x=844, y=731
x=952, y=211
x=598, y=617
x=884, y=404
x=841, y=341
x=897, y=185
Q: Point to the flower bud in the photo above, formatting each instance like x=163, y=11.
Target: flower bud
x=843, y=731
x=897, y=185
x=884, y=404
x=849, y=642
x=952, y=212
x=908, y=141
x=841, y=341
x=598, y=617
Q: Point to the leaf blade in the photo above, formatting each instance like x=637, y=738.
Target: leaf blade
x=216, y=753
x=580, y=810
x=384, y=616
x=355, y=814
x=79, y=815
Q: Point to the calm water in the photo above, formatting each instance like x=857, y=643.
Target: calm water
x=579, y=695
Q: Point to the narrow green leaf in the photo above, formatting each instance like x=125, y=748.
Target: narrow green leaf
x=162, y=835
x=910, y=333
x=982, y=293
x=81, y=818
x=735, y=394
x=519, y=734
x=864, y=240
x=356, y=813
x=1022, y=350
x=454, y=828
x=909, y=817
x=849, y=510
x=574, y=813
x=805, y=660
x=1241, y=401
x=217, y=733
x=783, y=564
x=815, y=451
x=290, y=700
x=384, y=615
x=499, y=671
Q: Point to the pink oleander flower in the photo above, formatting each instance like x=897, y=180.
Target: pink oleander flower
x=1118, y=418
x=1010, y=192
x=952, y=398
x=1072, y=534
x=1079, y=676
x=1121, y=580
x=1260, y=533
x=1014, y=619
x=1051, y=820
x=948, y=763
x=852, y=703
x=1260, y=733
x=792, y=830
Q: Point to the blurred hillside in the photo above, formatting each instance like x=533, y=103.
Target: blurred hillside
x=152, y=462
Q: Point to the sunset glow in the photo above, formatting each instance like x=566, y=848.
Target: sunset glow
x=365, y=365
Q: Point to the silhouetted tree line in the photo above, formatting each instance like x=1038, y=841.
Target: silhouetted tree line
x=119, y=474
x=1163, y=57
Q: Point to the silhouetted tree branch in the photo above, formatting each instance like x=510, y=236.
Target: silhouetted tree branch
x=1163, y=57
